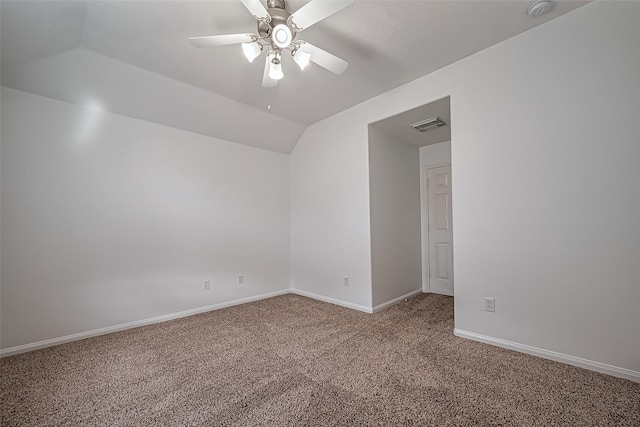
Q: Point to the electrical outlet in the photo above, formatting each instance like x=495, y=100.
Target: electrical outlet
x=489, y=304
x=346, y=280
x=240, y=280
x=206, y=285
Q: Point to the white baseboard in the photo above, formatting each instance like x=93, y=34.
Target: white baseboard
x=332, y=301
x=110, y=329
x=552, y=355
x=396, y=300
x=88, y=334
x=547, y=354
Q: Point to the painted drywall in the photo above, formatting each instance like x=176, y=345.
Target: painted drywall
x=435, y=155
x=394, y=193
x=430, y=156
x=330, y=233
x=546, y=201
x=108, y=220
x=545, y=170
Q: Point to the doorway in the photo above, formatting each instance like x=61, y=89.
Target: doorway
x=428, y=127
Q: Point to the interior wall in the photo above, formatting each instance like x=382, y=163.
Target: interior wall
x=394, y=191
x=545, y=201
x=330, y=232
x=108, y=220
x=545, y=152
x=433, y=155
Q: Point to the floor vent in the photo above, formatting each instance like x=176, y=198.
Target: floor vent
x=425, y=125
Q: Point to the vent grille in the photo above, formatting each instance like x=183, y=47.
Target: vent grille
x=425, y=125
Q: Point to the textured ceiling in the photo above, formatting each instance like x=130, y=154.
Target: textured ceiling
x=387, y=43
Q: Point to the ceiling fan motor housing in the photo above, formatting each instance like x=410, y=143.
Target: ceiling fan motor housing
x=279, y=16
x=275, y=4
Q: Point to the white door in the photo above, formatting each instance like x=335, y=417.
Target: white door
x=439, y=230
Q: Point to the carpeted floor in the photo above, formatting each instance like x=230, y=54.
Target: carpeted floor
x=293, y=361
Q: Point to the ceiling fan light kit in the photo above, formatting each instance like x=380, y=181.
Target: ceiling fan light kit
x=301, y=58
x=282, y=36
x=266, y=80
x=277, y=30
x=275, y=67
x=251, y=50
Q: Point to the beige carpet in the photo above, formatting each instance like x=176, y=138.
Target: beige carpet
x=293, y=361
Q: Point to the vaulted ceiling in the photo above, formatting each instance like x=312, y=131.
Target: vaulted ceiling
x=133, y=58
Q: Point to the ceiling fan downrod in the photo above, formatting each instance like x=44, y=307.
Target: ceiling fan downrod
x=275, y=4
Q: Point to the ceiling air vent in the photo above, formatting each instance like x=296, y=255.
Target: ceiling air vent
x=425, y=125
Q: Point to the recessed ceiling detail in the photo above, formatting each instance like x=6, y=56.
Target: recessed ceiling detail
x=396, y=127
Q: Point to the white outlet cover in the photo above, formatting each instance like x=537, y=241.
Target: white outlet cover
x=490, y=304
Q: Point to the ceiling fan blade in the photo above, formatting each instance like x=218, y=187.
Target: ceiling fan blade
x=314, y=11
x=324, y=58
x=257, y=9
x=266, y=80
x=209, y=41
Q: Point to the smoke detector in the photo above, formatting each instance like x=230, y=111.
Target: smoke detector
x=539, y=8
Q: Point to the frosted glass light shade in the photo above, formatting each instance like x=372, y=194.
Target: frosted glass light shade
x=301, y=58
x=251, y=50
x=266, y=80
x=275, y=70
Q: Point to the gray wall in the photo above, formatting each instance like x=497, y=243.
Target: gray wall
x=108, y=220
x=394, y=188
x=545, y=187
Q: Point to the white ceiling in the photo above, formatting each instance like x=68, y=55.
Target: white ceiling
x=387, y=43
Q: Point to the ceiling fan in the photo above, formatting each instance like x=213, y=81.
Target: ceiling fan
x=277, y=31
